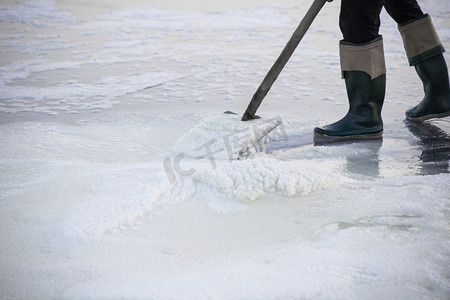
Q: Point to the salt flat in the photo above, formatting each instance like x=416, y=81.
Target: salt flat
x=99, y=199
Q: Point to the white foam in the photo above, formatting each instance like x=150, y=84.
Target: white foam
x=149, y=17
x=35, y=12
x=258, y=178
x=74, y=96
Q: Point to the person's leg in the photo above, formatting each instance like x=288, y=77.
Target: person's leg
x=364, y=71
x=359, y=20
x=424, y=51
x=403, y=10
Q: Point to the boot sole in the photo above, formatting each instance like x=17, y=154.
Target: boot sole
x=427, y=117
x=370, y=136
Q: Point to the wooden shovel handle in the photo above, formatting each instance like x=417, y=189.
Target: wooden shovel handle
x=279, y=64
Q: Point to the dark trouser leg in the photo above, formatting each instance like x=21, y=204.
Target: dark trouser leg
x=403, y=10
x=360, y=20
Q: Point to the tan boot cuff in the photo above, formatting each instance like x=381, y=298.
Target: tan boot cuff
x=419, y=37
x=367, y=57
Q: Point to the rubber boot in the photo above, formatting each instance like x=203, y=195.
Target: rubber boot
x=424, y=51
x=364, y=70
x=363, y=119
x=436, y=103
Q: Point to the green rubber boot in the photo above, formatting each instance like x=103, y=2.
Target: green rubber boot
x=424, y=51
x=363, y=119
x=436, y=103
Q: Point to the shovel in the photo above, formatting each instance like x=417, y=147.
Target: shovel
x=279, y=64
x=225, y=136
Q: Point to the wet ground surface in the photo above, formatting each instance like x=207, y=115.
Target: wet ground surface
x=420, y=148
x=94, y=96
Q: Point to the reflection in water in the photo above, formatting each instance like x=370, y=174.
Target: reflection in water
x=433, y=142
x=435, y=146
x=365, y=161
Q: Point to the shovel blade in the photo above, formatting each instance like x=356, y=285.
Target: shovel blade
x=225, y=137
